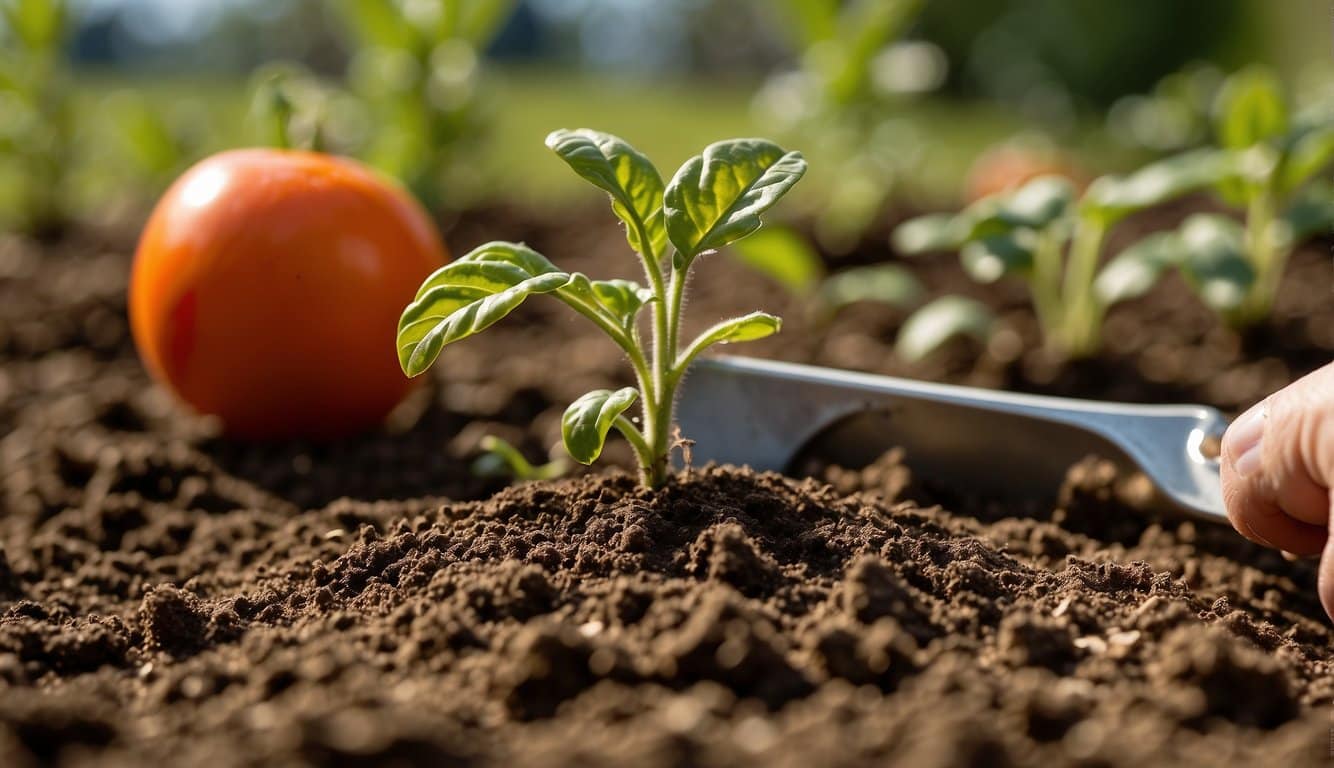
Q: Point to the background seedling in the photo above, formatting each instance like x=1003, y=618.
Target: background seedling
x=37, y=104
x=787, y=258
x=842, y=96
x=1044, y=235
x=416, y=67
x=715, y=199
x=1269, y=163
x=501, y=459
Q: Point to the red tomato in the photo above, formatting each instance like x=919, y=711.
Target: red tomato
x=267, y=288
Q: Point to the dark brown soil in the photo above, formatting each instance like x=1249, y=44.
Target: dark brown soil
x=171, y=597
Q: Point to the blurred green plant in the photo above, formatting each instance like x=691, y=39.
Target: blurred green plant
x=1274, y=157
x=416, y=68
x=1052, y=239
x=37, y=105
x=715, y=199
x=840, y=101
x=501, y=459
x=790, y=260
x=154, y=143
x=1270, y=162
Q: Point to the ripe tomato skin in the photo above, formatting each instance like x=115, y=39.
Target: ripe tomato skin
x=267, y=287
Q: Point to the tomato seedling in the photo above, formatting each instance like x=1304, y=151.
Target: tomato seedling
x=715, y=198
x=1052, y=239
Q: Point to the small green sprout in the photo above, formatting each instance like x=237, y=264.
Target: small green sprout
x=715, y=199
x=501, y=459
x=1052, y=239
x=1272, y=162
x=37, y=101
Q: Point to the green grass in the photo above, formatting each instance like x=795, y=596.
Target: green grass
x=669, y=121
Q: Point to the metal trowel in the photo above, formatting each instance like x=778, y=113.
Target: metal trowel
x=770, y=415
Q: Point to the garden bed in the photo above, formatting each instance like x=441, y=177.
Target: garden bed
x=169, y=595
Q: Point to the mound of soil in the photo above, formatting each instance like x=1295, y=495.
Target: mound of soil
x=168, y=596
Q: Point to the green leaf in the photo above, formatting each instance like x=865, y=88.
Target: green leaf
x=1213, y=260
x=1312, y=213
x=1113, y=197
x=750, y=327
x=481, y=20
x=1038, y=203
x=587, y=421
x=376, y=23
x=782, y=255
x=621, y=171
x=38, y=24
x=1311, y=151
x=501, y=459
x=717, y=197
x=943, y=319
x=617, y=300
x=884, y=283
x=925, y=234
x=1136, y=269
x=1250, y=109
x=468, y=296
x=991, y=258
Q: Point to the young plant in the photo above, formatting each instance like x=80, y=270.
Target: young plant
x=415, y=65
x=1045, y=235
x=36, y=99
x=853, y=71
x=788, y=259
x=1270, y=165
x=714, y=199
x=501, y=459
x=1274, y=158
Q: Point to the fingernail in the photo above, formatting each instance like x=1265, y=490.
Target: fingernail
x=1244, y=440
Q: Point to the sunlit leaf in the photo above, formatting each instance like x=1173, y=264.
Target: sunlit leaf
x=623, y=172
x=1113, y=197
x=991, y=258
x=1312, y=213
x=783, y=255
x=1250, y=109
x=945, y=318
x=619, y=301
x=883, y=283
x=587, y=421
x=924, y=234
x=468, y=296
x=717, y=197
x=750, y=327
x=1213, y=260
x=1038, y=203
x=38, y=25
x=1134, y=271
x=1310, y=152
